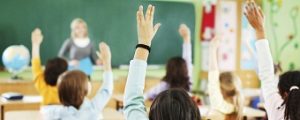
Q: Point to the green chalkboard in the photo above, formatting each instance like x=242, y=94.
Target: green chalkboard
x=112, y=21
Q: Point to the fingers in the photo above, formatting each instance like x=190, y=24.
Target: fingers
x=148, y=12
x=152, y=13
x=260, y=12
x=140, y=15
x=156, y=27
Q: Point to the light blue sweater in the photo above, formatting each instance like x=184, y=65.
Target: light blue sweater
x=89, y=110
x=134, y=100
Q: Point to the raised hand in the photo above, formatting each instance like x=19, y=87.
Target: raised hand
x=255, y=17
x=185, y=33
x=36, y=36
x=105, y=56
x=146, y=30
x=213, y=49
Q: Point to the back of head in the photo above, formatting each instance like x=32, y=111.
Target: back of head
x=53, y=69
x=177, y=73
x=288, y=85
x=174, y=104
x=231, y=91
x=72, y=88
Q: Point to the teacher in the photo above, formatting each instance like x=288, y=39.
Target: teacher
x=79, y=48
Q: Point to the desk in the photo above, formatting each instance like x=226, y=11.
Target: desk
x=27, y=103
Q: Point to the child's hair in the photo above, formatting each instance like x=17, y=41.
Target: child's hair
x=288, y=86
x=72, y=88
x=177, y=73
x=53, y=69
x=174, y=104
x=73, y=25
x=230, y=88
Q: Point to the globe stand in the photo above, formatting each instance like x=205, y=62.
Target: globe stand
x=15, y=77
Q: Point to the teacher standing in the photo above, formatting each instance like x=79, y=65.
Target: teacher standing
x=79, y=46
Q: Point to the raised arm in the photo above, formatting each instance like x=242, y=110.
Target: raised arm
x=36, y=40
x=105, y=92
x=265, y=61
x=185, y=33
x=215, y=95
x=134, y=100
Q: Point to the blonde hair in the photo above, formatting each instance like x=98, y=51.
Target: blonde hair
x=230, y=85
x=75, y=22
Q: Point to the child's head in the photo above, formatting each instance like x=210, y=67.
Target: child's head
x=174, y=104
x=177, y=73
x=288, y=86
x=79, y=28
x=230, y=88
x=73, y=86
x=53, y=69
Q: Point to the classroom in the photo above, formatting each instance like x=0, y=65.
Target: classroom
x=149, y=60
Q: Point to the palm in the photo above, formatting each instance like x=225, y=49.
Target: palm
x=37, y=36
x=146, y=30
x=184, y=31
x=105, y=54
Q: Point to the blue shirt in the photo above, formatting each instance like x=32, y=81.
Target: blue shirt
x=89, y=110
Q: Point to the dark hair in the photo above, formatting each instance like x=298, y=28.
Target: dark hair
x=72, y=88
x=53, y=69
x=174, y=104
x=177, y=74
x=291, y=97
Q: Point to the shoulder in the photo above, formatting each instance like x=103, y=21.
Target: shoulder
x=68, y=41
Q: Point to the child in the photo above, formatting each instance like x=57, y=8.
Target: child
x=281, y=98
x=172, y=104
x=179, y=69
x=73, y=87
x=45, y=81
x=224, y=88
x=79, y=46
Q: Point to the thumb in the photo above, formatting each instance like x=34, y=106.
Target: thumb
x=156, y=27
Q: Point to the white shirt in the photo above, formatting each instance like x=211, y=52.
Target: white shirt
x=273, y=101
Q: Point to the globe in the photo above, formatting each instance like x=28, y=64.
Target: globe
x=15, y=59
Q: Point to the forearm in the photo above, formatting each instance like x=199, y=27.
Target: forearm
x=133, y=99
x=35, y=51
x=266, y=68
x=107, y=67
x=260, y=34
x=105, y=92
x=213, y=61
x=187, y=52
x=141, y=54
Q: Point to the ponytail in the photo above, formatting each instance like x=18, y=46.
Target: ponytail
x=292, y=107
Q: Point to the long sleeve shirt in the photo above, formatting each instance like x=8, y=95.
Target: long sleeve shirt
x=89, y=109
x=162, y=86
x=215, y=95
x=49, y=93
x=273, y=100
x=134, y=100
